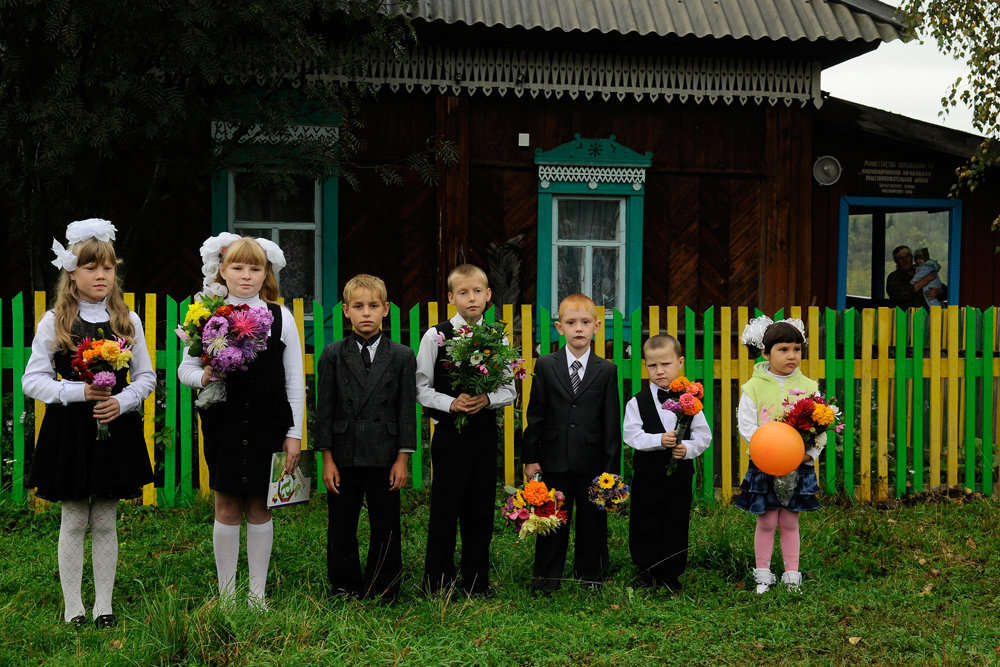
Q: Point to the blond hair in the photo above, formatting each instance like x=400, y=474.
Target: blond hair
x=369, y=282
x=246, y=250
x=66, y=308
x=580, y=301
x=467, y=271
x=660, y=341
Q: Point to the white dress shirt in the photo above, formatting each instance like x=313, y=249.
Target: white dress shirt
x=40, y=380
x=192, y=368
x=637, y=438
x=427, y=396
x=583, y=359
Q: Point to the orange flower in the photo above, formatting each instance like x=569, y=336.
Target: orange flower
x=679, y=384
x=694, y=408
x=536, y=493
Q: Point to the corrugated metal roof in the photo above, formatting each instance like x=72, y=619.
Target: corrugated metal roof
x=810, y=20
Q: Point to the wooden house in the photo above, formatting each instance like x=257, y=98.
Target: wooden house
x=647, y=152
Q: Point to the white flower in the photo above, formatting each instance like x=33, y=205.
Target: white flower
x=476, y=358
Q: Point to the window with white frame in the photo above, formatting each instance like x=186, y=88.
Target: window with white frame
x=290, y=219
x=589, y=249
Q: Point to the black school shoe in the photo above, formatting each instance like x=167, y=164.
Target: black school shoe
x=106, y=622
x=77, y=621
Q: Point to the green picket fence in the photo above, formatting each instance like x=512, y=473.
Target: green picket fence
x=918, y=389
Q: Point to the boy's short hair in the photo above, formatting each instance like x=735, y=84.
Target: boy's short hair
x=369, y=282
x=467, y=271
x=901, y=250
x=660, y=341
x=922, y=253
x=581, y=301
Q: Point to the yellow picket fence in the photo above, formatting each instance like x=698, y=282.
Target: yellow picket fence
x=918, y=389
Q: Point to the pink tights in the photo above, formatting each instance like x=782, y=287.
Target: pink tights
x=763, y=539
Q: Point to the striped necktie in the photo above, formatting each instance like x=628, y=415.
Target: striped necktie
x=574, y=375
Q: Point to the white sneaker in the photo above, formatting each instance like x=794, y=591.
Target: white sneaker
x=764, y=578
x=792, y=580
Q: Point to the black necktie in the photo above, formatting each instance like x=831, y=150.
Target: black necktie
x=366, y=350
x=662, y=395
x=574, y=375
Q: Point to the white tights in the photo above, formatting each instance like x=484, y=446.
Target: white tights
x=101, y=515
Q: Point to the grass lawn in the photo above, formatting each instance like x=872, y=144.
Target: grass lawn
x=903, y=583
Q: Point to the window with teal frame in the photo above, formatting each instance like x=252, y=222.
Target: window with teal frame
x=590, y=197
x=304, y=223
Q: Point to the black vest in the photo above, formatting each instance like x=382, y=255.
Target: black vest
x=649, y=412
x=442, y=384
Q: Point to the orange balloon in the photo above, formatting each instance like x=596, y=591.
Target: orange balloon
x=777, y=448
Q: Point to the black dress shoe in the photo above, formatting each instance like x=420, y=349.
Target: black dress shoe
x=78, y=621
x=106, y=621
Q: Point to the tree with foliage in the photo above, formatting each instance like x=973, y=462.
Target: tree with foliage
x=968, y=30
x=102, y=96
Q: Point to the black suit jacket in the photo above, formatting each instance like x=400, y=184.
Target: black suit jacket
x=364, y=419
x=569, y=432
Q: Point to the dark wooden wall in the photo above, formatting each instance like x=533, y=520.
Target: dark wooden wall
x=725, y=212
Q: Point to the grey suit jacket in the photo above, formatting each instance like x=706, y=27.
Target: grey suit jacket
x=366, y=418
x=569, y=432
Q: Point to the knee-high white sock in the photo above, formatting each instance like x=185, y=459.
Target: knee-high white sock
x=226, y=543
x=260, y=537
x=72, y=528
x=104, y=551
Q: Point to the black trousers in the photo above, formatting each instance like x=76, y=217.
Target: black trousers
x=590, y=553
x=659, y=517
x=384, y=567
x=463, y=497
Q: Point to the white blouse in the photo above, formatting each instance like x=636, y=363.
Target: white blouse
x=192, y=368
x=41, y=382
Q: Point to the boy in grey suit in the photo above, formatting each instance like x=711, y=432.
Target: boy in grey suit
x=573, y=435
x=366, y=430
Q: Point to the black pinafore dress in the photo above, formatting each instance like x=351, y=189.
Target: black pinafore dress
x=243, y=432
x=69, y=462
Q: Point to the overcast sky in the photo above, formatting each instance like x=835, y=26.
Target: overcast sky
x=908, y=79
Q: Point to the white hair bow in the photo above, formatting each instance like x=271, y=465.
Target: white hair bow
x=753, y=332
x=211, y=260
x=76, y=232
x=64, y=258
x=91, y=228
x=273, y=252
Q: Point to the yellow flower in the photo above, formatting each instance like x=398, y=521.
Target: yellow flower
x=519, y=500
x=110, y=351
x=196, y=313
x=122, y=361
x=822, y=415
x=606, y=480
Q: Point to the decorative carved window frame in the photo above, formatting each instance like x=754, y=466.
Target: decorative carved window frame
x=592, y=167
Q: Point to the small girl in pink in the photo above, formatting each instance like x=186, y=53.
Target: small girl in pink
x=776, y=501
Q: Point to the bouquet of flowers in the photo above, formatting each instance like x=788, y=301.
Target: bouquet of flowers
x=609, y=492
x=96, y=361
x=684, y=400
x=535, y=510
x=811, y=415
x=480, y=360
x=226, y=337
